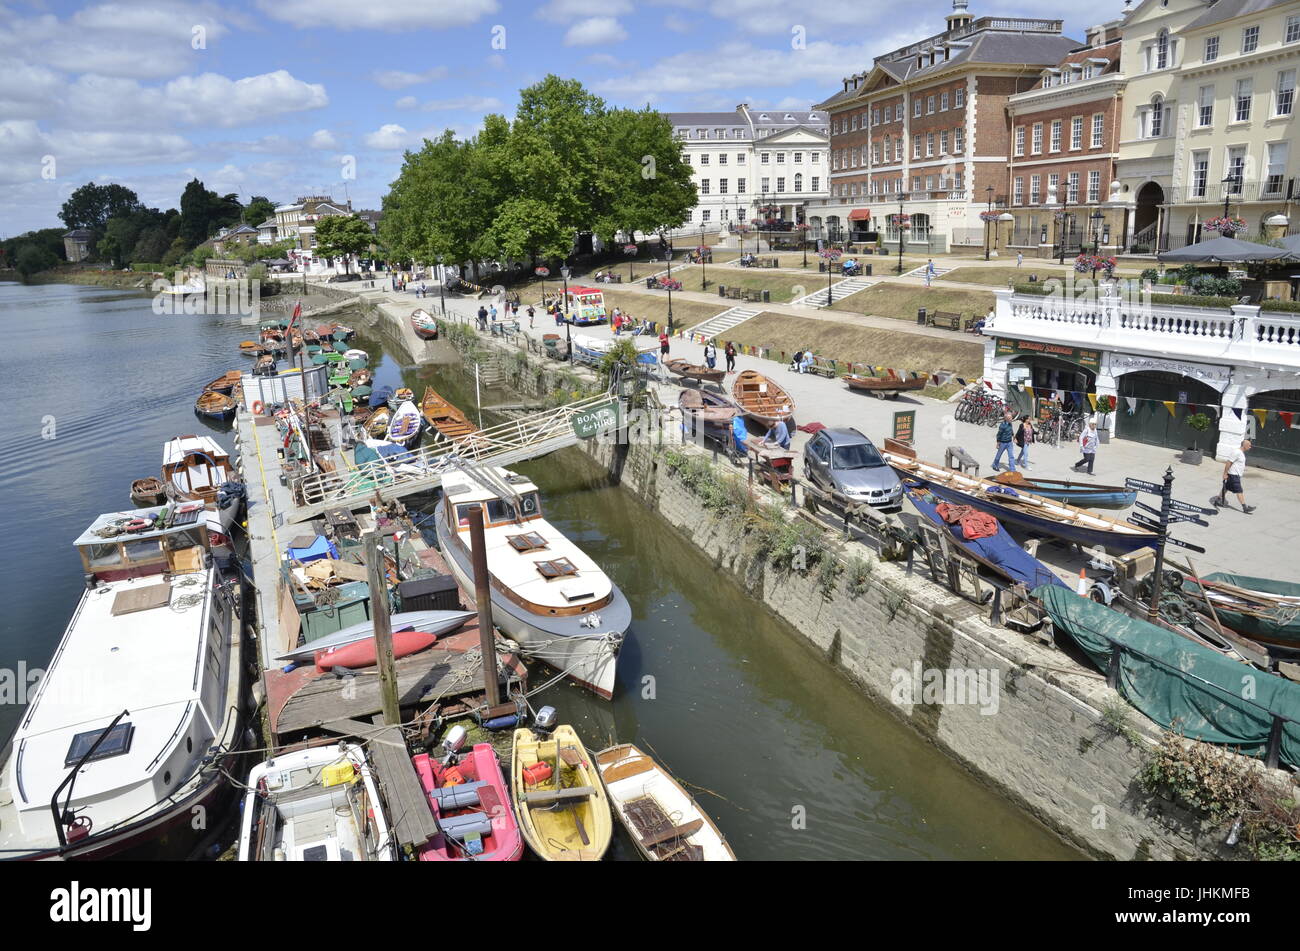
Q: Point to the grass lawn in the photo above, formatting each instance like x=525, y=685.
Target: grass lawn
x=1001, y=276
x=686, y=313
x=888, y=299
x=783, y=286
x=848, y=343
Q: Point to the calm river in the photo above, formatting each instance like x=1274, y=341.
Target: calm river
x=741, y=707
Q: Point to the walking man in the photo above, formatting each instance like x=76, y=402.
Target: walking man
x=1005, y=437
x=710, y=355
x=482, y=317
x=1234, y=464
x=531, y=312
x=730, y=351
x=1020, y=258
x=929, y=272
x=1088, y=440
x=663, y=355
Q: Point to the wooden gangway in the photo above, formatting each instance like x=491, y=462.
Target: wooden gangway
x=423, y=469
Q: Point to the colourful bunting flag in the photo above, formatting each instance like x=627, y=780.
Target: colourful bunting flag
x=1132, y=404
x=1169, y=405
x=1286, y=418
x=1029, y=391
x=1092, y=400
x=1192, y=408
x=1261, y=415
x=1237, y=410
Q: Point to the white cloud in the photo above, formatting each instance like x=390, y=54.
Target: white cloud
x=405, y=15
x=562, y=11
x=407, y=102
x=24, y=145
x=392, y=137
x=323, y=139
x=595, y=32
x=677, y=24
x=399, y=79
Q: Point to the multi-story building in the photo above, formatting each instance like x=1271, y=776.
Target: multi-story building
x=1209, y=116
x=1064, y=147
x=266, y=231
x=228, y=238
x=297, y=221
x=751, y=159
x=76, y=244
x=924, y=131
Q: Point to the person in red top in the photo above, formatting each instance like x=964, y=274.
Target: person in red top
x=663, y=354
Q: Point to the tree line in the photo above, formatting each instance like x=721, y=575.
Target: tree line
x=523, y=189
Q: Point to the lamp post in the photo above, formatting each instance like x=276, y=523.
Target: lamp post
x=1096, y=218
x=803, y=234
x=442, y=279
x=901, y=217
x=989, y=192
x=830, y=256
x=704, y=275
x=1060, y=228
x=564, y=300
x=670, y=285
x=630, y=250
x=542, y=272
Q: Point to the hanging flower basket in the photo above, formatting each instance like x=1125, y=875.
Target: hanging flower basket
x=1090, y=263
x=542, y=271
x=830, y=254
x=1228, y=225
x=989, y=217
x=801, y=226
x=630, y=249
x=670, y=284
x=901, y=222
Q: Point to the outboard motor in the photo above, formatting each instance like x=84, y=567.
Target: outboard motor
x=546, y=720
x=452, y=744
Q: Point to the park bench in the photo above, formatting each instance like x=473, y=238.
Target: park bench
x=824, y=366
x=769, y=262
x=504, y=327
x=950, y=321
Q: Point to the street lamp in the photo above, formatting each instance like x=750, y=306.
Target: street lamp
x=1060, y=228
x=903, y=224
x=1096, y=218
x=670, y=285
x=564, y=300
x=989, y=191
x=630, y=250
x=830, y=256
x=704, y=275
x=442, y=279
x=803, y=234
x=542, y=272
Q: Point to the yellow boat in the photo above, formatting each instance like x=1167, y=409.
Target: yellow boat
x=565, y=816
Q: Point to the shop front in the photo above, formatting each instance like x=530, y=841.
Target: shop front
x=1160, y=406
x=1045, y=374
x=1274, y=428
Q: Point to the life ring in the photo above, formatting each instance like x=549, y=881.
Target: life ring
x=258, y=407
x=136, y=524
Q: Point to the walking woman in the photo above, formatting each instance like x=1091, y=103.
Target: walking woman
x=730, y=351
x=1025, y=437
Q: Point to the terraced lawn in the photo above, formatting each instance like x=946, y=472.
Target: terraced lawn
x=901, y=301
x=686, y=313
x=1002, y=276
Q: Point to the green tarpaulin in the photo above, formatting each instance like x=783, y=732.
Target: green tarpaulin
x=1177, y=682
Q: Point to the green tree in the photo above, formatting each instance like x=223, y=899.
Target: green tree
x=258, y=209
x=204, y=211
x=526, y=228
x=340, y=236
x=91, y=205
x=643, y=182
x=51, y=239
x=32, y=258
x=555, y=150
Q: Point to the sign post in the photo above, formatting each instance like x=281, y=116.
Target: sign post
x=1171, y=510
x=595, y=419
x=905, y=425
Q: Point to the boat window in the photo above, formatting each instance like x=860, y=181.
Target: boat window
x=858, y=456
x=462, y=514
x=179, y=541
x=147, y=550
x=557, y=568
x=499, y=510
x=530, y=505
x=101, y=556
x=529, y=541
x=116, y=743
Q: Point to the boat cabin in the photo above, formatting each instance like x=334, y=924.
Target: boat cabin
x=194, y=467
x=166, y=539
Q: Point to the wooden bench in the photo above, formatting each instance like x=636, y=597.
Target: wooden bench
x=549, y=796
x=950, y=321
x=824, y=366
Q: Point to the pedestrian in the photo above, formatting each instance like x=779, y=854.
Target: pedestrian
x=1088, y=440
x=492, y=313
x=482, y=317
x=663, y=344
x=1024, y=439
x=778, y=435
x=1005, y=436
x=424, y=290
x=531, y=312
x=730, y=351
x=1020, y=258
x=1234, y=465
x=929, y=272
x=711, y=354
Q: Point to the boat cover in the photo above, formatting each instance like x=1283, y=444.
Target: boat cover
x=1283, y=625
x=1178, y=683
x=322, y=547
x=1000, y=549
x=380, y=396
x=372, y=450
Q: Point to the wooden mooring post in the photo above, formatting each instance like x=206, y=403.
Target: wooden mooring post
x=383, y=629
x=483, y=597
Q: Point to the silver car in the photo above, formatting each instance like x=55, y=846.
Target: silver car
x=846, y=462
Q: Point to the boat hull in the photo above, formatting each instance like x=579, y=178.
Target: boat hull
x=506, y=840
x=589, y=655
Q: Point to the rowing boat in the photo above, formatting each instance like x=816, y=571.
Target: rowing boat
x=695, y=371
x=712, y=409
x=425, y=327
x=214, y=405
x=761, y=399
x=251, y=348
x=883, y=386
x=404, y=427
x=148, y=491
x=226, y=382
x=563, y=811
x=1260, y=608
x=1024, y=510
x=1083, y=494
x=662, y=818
x=444, y=418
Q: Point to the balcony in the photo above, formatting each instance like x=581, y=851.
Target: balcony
x=1273, y=188
x=1243, y=335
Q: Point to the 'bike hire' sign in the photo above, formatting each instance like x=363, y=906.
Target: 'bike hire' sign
x=1021, y=348
x=595, y=420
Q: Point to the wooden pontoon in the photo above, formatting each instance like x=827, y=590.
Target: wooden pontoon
x=761, y=399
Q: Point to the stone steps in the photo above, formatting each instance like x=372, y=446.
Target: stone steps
x=838, y=291
x=723, y=322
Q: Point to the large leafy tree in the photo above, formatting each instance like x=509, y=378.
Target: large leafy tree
x=644, y=184
x=91, y=205
x=33, y=257
x=340, y=236
x=204, y=211
x=258, y=209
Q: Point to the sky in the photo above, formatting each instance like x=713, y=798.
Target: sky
x=294, y=97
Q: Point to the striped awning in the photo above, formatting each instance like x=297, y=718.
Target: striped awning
x=859, y=214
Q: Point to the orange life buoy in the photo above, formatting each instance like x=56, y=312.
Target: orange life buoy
x=257, y=407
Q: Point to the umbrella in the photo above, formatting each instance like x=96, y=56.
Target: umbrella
x=1225, y=250
x=1292, y=244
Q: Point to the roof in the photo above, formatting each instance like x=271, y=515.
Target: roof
x=460, y=487
x=841, y=437
x=80, y=233
x=175, y=450
x=706, y=118
x=268, y=223
x=1228, y=9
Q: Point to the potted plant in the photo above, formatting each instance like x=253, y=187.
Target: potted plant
x=1200, y=423
x=1105, y=406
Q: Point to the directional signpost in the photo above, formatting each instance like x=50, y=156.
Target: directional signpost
x=1171, y=510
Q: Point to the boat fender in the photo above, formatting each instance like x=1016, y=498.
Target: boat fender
x=501, y=723
x=136, y=525
x=537, y=773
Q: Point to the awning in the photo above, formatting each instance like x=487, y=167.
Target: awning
x=859, y=214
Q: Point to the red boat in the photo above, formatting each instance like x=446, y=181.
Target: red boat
x=468, y=799
x=363, y=654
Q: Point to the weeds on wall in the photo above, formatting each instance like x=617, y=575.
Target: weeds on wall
x=859, y=572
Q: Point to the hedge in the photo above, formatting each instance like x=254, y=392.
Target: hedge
x=1187, y=300
x=137, y=266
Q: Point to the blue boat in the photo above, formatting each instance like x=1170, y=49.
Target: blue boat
x=1076, y=493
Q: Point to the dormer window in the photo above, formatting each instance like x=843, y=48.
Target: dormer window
x=764, y=118
x=789, y=118
x=529, y=541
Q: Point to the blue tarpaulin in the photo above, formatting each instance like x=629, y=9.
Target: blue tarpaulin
x=380, y=396
x=322, y=547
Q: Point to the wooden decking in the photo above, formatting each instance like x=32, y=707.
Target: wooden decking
x=408, y=810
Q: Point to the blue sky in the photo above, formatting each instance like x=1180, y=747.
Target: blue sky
x=290, y=97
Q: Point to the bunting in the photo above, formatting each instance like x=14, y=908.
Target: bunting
x=1132, y=404
x=1261, y=415
x=1029, y=391
x=1169, y=405
x=1092, y=401
x=1286, y=418
x=1237, y=410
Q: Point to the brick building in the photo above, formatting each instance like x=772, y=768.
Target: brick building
x=924, y=131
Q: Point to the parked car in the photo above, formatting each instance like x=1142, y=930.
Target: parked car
x=847, y=462
x=343, y=278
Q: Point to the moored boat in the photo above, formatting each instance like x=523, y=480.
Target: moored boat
x=695, y=371
x=471, y=805
x=563, y=809
x=433, y=622
x=251, y=348
x=265, y=365
x=1260, y=608
x=547, y=593
x=214, y=405
x=883, y=386
x=762, y=399
x=315, y=805
x=195, y=468
x=661, y=817
x=405, y=425
x=425, y=327
x=226, y=382
x=1084, y=494
x=377, y=422
x=444, y=418
x=148, y=491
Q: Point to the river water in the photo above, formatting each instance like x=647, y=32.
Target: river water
x=790, y=760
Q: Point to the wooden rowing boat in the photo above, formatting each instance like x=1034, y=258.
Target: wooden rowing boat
x=1012, y=506
x=1265, y=610
x=405, y=426
x=148, y=491
x=564, y=815
x=444, y=418
x=883, y=386
x=712, y=409
x=377, y=422
x=214, y=405
x=251, y=348
x=226, y=382
x=695, y=371
x=761, y=399
x=662, y=818
x=1084, y=494
x=359, y=378
x=422, y=322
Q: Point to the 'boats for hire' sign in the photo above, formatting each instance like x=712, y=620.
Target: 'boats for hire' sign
x=595, y=419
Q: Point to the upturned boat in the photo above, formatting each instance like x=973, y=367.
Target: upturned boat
x=425, y=327
x=315, y=805
x=563, y=809
x=436, y=623
x=471, y=805
x=1013, y=507
x=404, y=428
x=214, y=405
x=547, y=593
x=661, y=817
x=762, y=399
x=1083, y=494
x=695, y=371
x=883, y=386
x=444, y=418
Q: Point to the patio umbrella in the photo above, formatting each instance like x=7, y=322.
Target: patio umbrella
x=1225, y=250
x=1292, y=244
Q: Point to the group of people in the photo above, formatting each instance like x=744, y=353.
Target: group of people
x=604, y=277
x=802, y=361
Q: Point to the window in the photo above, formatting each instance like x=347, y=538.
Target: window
x=1236, y=168
x=1285, y=93
x=943, y=101
x=929, y=105
x=1056, y=135
x=1276, y=171
x=1018, y=191
x=740, y=186
x=943, y=142
x=1094, y=186
x=1076, y=132
x=1073, y=187
x=816, y=184
x=875, y=153
x=929, y=144
x=1035, y=188
x=1053, y=183
x=780, y=183
x=686, y=157
x=1162, y=50
x=704, y=186
x=1020, y=140
x=1211, y=48
x=1200, y=173
x=898, y=111
x=780, y=158
x=740, y=158
x=1205, y=107
x=116, y=743
x=706, y=215
x=1037, y=142
x=1245, y=91
x=875, y=117
x=853, y=123
x=929, y=183
x=722, y=158
x=798, y=158
x=916, y=183
x=1156, y=126
x=958, y=140
x=816, y=158
x=1098, y=128
x=916, y=146
x=722, y=186
x=765, y=184
x=764, y=157
x=898, y=149
x=704, y=158
x=798, y=183
x=916, y=107
x=958, y=97
x=1250, y=39
x=1292, y=29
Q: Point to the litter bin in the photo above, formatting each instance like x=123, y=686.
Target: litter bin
x=650, y=283
x=920, y=316
x=722, y=290
x=866, y=269
x=767, y=296
x=821, y=267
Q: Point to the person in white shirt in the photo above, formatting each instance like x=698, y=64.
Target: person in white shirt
x=1234, y=464
x=1088, y=440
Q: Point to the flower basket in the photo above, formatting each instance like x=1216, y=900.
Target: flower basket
x=630, y=249
x=542, y=271
x=990, y=217
x=670, y=284
x=1225, y=225
x=829, y=254
x=901, y=222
